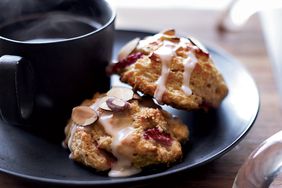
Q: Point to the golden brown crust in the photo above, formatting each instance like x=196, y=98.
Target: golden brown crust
x=87, y=152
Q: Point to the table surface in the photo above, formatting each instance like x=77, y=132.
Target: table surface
x=248, y=47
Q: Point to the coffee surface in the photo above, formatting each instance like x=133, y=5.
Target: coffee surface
x=50, y=27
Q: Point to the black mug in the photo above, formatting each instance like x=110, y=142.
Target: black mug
x=53, y=55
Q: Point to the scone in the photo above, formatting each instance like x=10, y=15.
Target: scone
x=177, y=71
x=123, y=132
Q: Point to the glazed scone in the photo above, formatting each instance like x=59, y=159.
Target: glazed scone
x=177, y=71
x=123, y=132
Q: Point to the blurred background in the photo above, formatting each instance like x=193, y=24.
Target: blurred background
x=146, y=14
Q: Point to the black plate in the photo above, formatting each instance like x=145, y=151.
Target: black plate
x=212, y=134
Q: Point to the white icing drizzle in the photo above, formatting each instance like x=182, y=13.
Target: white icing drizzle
x=120, y=133
x=123, y=167
x=165, y=53
x=189, y=65
x=97, y=103
x=74, y=128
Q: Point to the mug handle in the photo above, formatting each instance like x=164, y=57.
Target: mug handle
x=16, y=89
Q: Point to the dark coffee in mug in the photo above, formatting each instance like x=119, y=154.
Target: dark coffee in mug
x=53, y=55
x=48, y=27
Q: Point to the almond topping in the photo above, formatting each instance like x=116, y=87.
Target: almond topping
x=127, y=49
x=116, y=104
x=83, y=115
x=103, y=104
x=170, y=32
x=198, y=44
x=173, y=39
x=122, y=93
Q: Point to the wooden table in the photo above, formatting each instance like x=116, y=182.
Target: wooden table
x=248, y=47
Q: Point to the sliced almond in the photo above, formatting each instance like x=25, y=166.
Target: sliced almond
x=103, y=104
x=198, y=44
x=171, y=38
x=83, y=115
x=116, y=104
x=127, y=49
x=170, y=32
x=122, y=93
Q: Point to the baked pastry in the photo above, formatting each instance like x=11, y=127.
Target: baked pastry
x=177, y=71
x=123, y=132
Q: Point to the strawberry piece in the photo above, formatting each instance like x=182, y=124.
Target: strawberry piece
x=117, y=67
x=160, y=137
